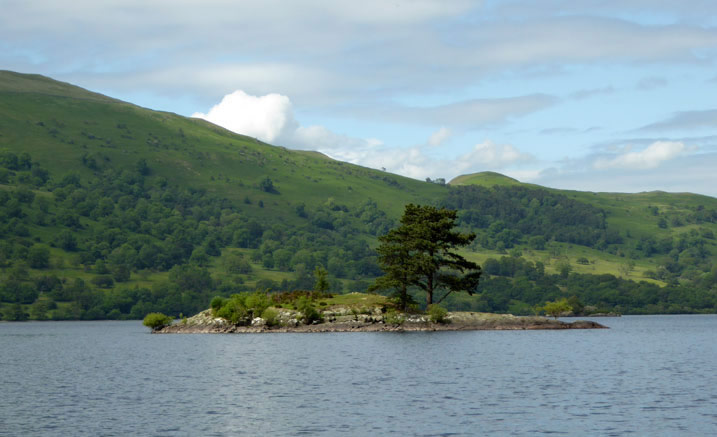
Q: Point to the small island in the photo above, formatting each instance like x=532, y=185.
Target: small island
x=419, y=254
x=355, y=312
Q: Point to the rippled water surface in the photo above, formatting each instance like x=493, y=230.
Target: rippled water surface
x=647, y=375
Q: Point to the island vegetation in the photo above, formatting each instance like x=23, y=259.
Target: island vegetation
x=352, y=312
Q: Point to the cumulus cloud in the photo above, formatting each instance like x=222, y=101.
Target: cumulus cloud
x=649, y=158
x=270, y=118
x=266, y=118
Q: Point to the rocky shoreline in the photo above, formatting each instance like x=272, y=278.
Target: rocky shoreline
x=205, y=323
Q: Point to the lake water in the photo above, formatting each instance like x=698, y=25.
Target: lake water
x=647, y=375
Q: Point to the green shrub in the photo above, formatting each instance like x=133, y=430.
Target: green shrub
x=103, y=281
x=216, y=304
x=240, y=308
x=234, y=310
x=271, y=317
x=437, y=314
x=308, y=311
x=156, y=321
x=256, y=303
x=393, y=317
x=39, y=257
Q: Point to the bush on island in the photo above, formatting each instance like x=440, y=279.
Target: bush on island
x=437, y=314
x=240, y=308
x=157, y=321
x=271, y=317
x=393, y=317
x=308, y=311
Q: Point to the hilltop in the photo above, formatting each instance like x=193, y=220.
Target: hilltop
x=485, y=178
x=110, y=210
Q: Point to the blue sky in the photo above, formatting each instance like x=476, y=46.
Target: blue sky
x=589, y=95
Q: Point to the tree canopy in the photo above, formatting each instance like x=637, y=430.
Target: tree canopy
x=420, y=253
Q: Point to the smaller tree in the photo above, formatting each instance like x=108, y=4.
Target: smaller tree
x=142, y=167
x=627, y=268
x=564, y=268
x=322, y=279
x=310, y=314
x=267, y=185
x=39, y=257
x=66, y=240
x=558, y=307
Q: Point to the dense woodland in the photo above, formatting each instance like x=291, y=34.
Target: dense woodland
x=121, y=223
x=128, y=223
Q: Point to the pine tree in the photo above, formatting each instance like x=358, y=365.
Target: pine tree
x=421, y=253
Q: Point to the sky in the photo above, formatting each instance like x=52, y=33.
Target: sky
x=609, y=95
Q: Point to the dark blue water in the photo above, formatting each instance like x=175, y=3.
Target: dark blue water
x=648, y=375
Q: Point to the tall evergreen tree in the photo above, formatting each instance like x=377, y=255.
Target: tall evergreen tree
x=421, y=253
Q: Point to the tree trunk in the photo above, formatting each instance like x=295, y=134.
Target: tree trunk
x=429, y=292
x=404, y=297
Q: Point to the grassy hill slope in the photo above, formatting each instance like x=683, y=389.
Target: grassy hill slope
x=59, y=124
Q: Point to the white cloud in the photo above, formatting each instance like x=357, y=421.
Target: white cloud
x=649, y=158
x=267, y=117
x=685, y=173
x=271, y=118
x=338, y=51
x=489, y=155
x=324, y=140
x=438, y=137
x=414, y=162
x=524, y=175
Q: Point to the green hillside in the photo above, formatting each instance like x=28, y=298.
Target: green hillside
x=486, y=179
x=40, y=115
x=109, y=210
x=643, y=217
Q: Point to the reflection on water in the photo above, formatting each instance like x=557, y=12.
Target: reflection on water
x=647, y=375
